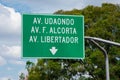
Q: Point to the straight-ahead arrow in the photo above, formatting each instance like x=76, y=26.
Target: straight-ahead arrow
x=53, y=50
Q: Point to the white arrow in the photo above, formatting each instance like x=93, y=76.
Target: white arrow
x=53, y=50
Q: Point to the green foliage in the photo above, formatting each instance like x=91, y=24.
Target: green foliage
x=102, y=22
x=22, y=76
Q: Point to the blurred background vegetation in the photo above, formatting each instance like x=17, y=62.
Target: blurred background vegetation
x=102, y=22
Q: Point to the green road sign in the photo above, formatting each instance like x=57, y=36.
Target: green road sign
x=53, y=36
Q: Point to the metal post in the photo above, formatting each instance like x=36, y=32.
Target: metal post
x=103, y=41
x=107, y=68
x=106, y=58
x=93, y=40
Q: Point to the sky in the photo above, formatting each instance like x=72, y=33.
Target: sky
x=11, y=63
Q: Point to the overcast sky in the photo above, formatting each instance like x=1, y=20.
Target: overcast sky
x=11, y=64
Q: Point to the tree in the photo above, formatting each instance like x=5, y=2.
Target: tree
x=22, y=76
x=103, y=22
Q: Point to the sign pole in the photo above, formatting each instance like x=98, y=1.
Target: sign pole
x=93, y=40
x=106, y=58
